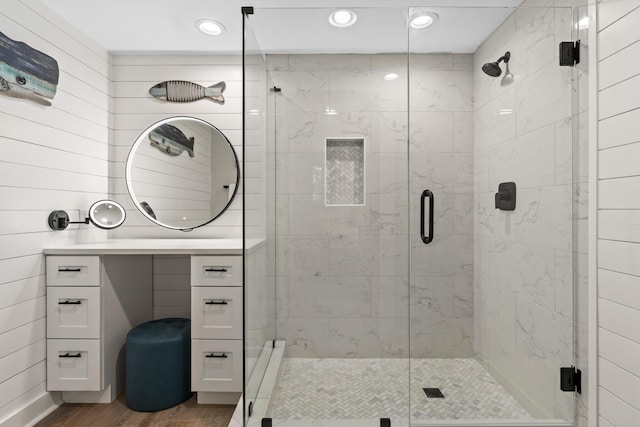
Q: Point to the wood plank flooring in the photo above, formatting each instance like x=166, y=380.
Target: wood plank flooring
x=187, y=414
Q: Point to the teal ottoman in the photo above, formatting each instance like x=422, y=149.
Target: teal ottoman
x=158, y=364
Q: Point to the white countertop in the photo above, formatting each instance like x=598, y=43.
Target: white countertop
x=157, y=246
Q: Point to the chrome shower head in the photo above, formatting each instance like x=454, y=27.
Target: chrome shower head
x=493, y=68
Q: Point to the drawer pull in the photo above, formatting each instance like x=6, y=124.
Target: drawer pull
x=216, y=302
x=67, y=302
x=217, y=355
x=216, y=270
x=69, y=270
x=67, y=355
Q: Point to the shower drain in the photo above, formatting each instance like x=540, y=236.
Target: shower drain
x=433, y=393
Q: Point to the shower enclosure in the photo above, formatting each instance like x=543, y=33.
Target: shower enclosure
x=395, y=279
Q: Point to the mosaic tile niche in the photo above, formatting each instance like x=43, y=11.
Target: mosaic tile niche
x=344, y=171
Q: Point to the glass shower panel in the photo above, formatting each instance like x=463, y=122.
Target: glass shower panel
x=341, y=214
x=259, y=284
x=491, y=294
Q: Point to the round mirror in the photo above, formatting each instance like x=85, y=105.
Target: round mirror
x=107, y=214
x=182, y=173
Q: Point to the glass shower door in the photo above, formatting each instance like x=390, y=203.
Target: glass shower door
x=491, y=288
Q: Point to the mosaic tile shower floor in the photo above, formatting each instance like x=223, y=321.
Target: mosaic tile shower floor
x=373, y=388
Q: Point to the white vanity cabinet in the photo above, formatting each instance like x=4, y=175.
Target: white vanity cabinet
x=98, y=292
x=93, y=301
x=216, y=327
x=73, y=323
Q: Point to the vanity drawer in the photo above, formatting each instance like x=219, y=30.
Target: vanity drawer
x=73, y=270
x=216, y=270
x=216, y=312
x=216, y=365
x=73, y=365
x=73, y=312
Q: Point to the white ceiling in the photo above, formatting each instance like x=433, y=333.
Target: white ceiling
x=128, y=26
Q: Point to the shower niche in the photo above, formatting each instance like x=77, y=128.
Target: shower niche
x=344, y=172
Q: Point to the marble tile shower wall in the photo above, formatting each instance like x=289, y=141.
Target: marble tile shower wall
x=342, y=272
x=523, y=259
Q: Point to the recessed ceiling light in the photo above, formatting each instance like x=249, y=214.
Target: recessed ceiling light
x=391, y=76
x=343, y=18
x=423, y=20
x=210, y=27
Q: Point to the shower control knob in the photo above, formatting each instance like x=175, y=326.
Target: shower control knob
x=505, y=198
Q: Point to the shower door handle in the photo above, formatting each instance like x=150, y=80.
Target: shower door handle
x=426, y=239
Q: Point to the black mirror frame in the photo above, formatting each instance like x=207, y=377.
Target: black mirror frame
x=139, y=140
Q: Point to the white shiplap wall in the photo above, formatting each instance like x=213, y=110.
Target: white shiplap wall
x=619, y=212
x=171, y=286
x=51, y=158
x=135, y=110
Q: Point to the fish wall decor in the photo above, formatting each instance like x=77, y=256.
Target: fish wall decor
x=183, y=91
x=26, y=72
x=169, y=139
